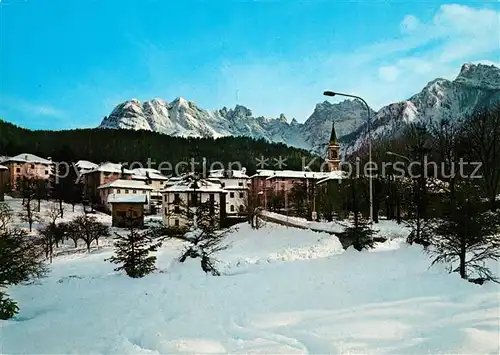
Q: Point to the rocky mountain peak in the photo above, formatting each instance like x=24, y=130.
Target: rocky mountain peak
x=479, y=75
x=282, y=118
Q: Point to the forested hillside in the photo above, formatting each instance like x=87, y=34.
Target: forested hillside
x=99, y=145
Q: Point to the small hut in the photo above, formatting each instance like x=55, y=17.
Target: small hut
x=127, y=210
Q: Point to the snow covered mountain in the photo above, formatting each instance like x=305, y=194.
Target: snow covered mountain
x=184, y=118
x=475, y=86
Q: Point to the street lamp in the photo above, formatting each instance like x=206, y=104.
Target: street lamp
x=333, y=93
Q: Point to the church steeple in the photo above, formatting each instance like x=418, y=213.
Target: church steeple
x=333, y=135
x=333, y=153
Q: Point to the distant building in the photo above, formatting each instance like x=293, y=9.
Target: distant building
x=82, y=167
x=333, y=151
x=27, y=165
x=4, y=175
x=115, y=189
x=153, y=178
x=235, y=182
x=102, y=174
x=127, y=210
x=266, y=184
x=187, y=194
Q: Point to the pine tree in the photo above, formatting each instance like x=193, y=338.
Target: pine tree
x=132, y=253
x=466, y=232
x=21, y=260
x=359, y=235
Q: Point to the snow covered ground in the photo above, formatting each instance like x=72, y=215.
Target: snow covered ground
x=283, y=290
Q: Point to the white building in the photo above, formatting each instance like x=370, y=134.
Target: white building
x=155, y=179
x=116, y=188
x=188, y=193
x=235, y=182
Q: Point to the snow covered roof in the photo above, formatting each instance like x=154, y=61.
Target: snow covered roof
x=27, y=158
x=187, y=186
x=232, y=174
x=294, y=174
x=142, y=173
x=262, y=173
x=109, y=167
x=3, y=167
x=332, y=175
x=85, y=165
x=126, y=184
x=121, y=198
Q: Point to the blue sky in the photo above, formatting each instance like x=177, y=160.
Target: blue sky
x=66, y=64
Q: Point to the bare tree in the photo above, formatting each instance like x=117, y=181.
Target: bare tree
x=88, y=229
x=482, y=131
x=53, y=213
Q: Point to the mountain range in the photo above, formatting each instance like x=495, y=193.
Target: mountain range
x=476, y=86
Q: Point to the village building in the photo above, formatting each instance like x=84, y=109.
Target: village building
x=267, y=184
x=27, y=165
x=153, y=178
x=111, y=190
x=100, y=175
x=82, y=167
x=127, y=211
x=3, y=180
x=235, y=182
x=187, y=194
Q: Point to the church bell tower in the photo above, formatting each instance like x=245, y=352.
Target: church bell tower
x=333, y=153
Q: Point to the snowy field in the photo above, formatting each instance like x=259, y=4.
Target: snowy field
x=283, y=291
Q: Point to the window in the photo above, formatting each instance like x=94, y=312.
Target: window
x=212, y=196
x=32, y=166
x=242, y=208
x=241, y=194
x=240, y=183
x=194, y=199
x=126, y=191
x=232, y=208
x=143, y=192
x=18, y=170
x=134, y=191
x=231, y=194
x=176, y=223
x=177, y=209
x=176, y=198
x=46, y=172
x=118, y=191
x=166, y=211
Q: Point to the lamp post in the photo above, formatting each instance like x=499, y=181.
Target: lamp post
x=333, y=93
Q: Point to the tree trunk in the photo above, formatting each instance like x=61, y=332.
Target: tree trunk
x=463, y=271
x=493, y=204
x=61, y=211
